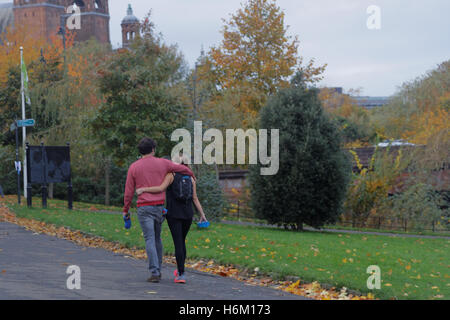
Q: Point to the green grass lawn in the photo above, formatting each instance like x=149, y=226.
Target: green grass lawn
x=348, y=228
x=412, y=232
x=411, y=268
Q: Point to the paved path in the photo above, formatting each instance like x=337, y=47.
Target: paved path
x=33, y=266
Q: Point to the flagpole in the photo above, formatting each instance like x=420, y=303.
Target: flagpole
x=24, y=129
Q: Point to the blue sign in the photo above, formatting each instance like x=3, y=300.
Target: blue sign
x=26, y=123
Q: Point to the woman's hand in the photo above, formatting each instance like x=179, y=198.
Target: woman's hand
x=203, y=218
x=140, y=191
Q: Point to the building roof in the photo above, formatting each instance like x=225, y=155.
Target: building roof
x=6, y=16
x=372, y=102
x=130, y=17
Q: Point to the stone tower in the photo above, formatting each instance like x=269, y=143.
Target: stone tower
x=44, y=17
x=130, y=27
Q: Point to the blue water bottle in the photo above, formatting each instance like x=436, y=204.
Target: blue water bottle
x=127, y=220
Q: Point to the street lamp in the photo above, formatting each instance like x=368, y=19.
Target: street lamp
x=62, y=32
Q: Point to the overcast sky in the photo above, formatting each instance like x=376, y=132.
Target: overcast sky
x=414, y=35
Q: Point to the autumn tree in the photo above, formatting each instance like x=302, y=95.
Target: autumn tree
x=419, y=110
x=9, y=105
x=141, y=97
x=11, y=41
x=418, y=113
x=352, y=119
x=257, y=56
x=45, y=68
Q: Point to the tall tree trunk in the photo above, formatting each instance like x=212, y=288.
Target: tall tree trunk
x=107, y=181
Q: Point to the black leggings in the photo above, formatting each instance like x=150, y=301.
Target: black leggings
x=179, y=229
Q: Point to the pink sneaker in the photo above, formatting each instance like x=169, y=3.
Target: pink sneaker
x=180, y=279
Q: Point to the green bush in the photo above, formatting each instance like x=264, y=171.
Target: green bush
x=209, y=192
x=370, y=186
x=312, y=180
x=8, y=177
x=420, y=206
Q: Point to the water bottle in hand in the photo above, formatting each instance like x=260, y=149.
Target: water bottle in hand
x=127, y=220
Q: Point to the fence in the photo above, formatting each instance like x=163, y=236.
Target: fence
x=398, y=224
x=239, y=209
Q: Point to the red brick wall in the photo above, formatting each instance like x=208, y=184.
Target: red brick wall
x=40, y=21
x=44, y=21
x=93, y=26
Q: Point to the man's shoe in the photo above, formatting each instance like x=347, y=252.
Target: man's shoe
x=154, y=279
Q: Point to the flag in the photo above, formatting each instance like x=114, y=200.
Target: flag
x=25, y=82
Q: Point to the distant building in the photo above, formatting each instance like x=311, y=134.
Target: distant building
x=130, y=27
x=44, y=17
x=6, y=16
x=365, y=102
x=338, y=90
x=371, y=102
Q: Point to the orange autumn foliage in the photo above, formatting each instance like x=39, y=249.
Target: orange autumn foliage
x=432, y=119
x=14, y=38
x=427, y=125
x=11, y=41
x=257, y=56
x=76, y=67
x=420, y=111
x=339, y=104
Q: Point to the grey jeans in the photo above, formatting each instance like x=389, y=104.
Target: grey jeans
x=151, y=219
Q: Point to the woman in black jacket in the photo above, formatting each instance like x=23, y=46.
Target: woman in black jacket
x=180, y=214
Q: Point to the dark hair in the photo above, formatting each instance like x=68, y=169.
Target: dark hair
x=146, y=146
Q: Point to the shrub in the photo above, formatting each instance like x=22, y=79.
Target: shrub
x=209, y=192
x=313, y=175
x=370, y=187
x=420, y=207
x=8, y=177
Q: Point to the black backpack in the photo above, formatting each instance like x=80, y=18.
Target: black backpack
x=182, y=187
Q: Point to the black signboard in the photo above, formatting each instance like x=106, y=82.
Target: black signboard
x=48, y=165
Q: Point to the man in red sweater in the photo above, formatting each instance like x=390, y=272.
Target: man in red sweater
x=150, y=171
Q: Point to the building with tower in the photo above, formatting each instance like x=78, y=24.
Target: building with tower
x=130, y=27
x=44, y=17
